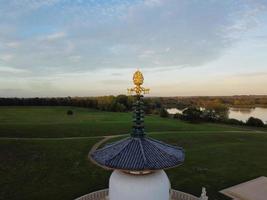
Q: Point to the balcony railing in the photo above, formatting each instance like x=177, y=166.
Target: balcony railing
x=103, y=195
x=97, y=195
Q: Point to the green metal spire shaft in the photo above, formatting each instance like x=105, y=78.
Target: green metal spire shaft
x=138, y=107
x=138, y=117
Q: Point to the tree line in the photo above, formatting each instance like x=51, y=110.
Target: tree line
x=203, y=101
x=120, y=103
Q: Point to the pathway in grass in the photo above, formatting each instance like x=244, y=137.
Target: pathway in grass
x=125, y=135
x=60, y=169
x=44, y=152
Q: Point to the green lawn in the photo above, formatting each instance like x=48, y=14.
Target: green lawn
x=59, y=169
x=54, y=122
x=31, y=170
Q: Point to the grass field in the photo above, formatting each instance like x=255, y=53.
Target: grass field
x=54, y=122
x=40, y=163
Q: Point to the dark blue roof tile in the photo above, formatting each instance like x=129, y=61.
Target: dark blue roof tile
x=137, y=154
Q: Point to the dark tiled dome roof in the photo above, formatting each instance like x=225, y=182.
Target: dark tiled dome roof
x=137, y=154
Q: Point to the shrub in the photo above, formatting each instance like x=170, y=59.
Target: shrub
x=234, y=122
x=69, y=112
x=252, y=121
x=220, y=110
x=177, y=116
x=209, y=115
x=163, y=113
x=192, y=114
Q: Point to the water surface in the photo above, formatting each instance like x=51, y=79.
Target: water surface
x=238, y=113
x=244, y=113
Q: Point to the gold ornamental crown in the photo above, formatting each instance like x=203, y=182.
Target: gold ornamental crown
x=138, y=80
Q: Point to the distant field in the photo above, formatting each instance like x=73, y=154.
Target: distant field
x=54, y=122
x=57, y=168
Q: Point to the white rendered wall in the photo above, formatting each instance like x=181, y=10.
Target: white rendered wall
x=154, y=186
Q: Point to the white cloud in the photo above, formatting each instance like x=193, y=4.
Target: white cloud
x=54, y=36
x=153, y=2
x=144, y=33
x=57, y=37
x=12, y=70
x=17, y=8
x=75, y=58
x=13, y=44
x=6, y=57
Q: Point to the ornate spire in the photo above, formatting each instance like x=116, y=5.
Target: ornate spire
x=138, y=80
x=138, y=154
x=138, y=107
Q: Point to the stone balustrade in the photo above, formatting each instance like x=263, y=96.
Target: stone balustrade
x=178, y=195
x=103, y=195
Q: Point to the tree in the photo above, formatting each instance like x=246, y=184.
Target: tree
x=163, y=113
x=192, y=114
x=105, y=102
x=217, y=108
x=252, y=121
x=209, y=115
x=120, y=107
x=123, y=99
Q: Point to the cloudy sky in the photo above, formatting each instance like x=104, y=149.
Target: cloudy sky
x=92, y=47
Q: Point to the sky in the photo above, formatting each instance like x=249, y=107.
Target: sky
x=93, y=47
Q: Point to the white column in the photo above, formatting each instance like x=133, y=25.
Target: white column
x=154, y=186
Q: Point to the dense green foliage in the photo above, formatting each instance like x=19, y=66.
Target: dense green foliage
x=118, y=103
x=192, y=114
x=195, y=114
x=234, y=122
x=252, y=121
x=205, y=101
x=217, y=156
x=153, y=104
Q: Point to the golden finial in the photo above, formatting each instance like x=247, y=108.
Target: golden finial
x=138, y=80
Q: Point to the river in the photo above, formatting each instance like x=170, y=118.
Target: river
x=238, y=113
x=244, y=113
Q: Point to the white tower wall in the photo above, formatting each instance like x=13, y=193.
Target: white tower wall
x=154, y=186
